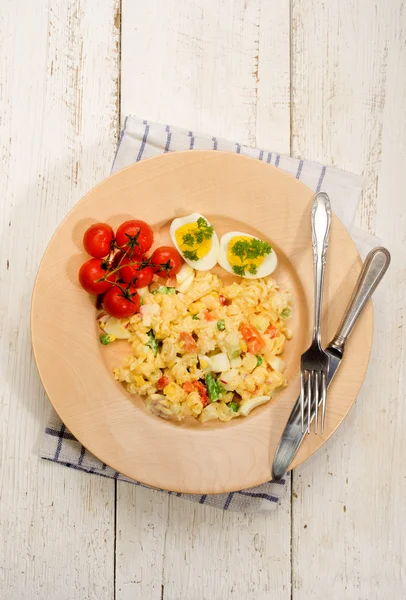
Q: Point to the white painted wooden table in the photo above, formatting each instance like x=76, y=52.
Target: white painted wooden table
x=322, y=80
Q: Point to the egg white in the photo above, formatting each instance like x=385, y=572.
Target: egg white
x=206, y=262
x=266, y=268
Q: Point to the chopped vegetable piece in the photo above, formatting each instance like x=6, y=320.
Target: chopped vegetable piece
x=213, y=387
x=252, y=337
x=232, y=343
x=189, y=343
x=162, y=382
x=233, y=406
x=106, y=339
x=259, y=361
x=221, y=325
x=152, y=342
x=272, y=331
x=285, y=314
x=224, y=301
x=184, y=272
x=220, y=362
x=195, y=318
x=163, y=289
x=208, y=316
x=188, y=387
x=201, y=388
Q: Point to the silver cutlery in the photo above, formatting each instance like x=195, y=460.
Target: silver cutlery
x=315, y=360
x=374, y=268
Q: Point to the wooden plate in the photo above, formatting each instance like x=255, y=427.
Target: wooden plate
x=236, y=193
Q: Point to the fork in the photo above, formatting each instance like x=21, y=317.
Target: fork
x=315, y=361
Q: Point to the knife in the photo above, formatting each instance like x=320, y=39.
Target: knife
x=374, y=268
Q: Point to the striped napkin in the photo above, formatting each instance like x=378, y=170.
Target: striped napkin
x=142, y=139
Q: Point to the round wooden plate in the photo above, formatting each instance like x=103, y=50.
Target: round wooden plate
x=236, y=193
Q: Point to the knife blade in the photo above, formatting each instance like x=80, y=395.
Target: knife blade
x=374, y=268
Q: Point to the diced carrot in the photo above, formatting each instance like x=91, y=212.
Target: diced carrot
x=188, y=387
x=208, y=316
x=272, y=331
x=188, y=342
x=252, y=338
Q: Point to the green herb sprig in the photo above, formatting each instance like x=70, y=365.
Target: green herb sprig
x=247, y=251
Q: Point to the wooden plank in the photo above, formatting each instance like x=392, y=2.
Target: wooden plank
x=142, y=522
x=58, y=126
x=349, y=86
x=220, y=67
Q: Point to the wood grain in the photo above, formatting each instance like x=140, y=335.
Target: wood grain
x=349, y=512
x=223, y=67
x=58, y=122
x=204, y=60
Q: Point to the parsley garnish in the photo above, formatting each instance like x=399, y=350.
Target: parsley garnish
x=196, y=237
x=152, y=342
x=188, y=239
x=239, y=270
x=190, y=254
x=247, y=251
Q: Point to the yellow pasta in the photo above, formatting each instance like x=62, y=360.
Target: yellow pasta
x=189, y=355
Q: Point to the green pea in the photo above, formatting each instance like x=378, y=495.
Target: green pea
x=221, y=325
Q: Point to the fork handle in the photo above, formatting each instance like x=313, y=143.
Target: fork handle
x=374, y=268
x=321, y=222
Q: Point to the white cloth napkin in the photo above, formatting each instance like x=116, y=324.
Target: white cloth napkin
x=142, y=139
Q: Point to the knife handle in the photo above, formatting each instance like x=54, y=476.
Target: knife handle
x=374, y=268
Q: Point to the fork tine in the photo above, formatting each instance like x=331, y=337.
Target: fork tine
x=309, y=399
x=302, y=397
x=316, y=400
x=323, y=400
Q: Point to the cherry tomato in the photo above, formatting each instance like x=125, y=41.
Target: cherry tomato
x=90, y=274
x=134, y=237
x=143, y=277
x=166, y=261
x=130, y=271
x=117, y=259
x=98, y=240
x=252, y=338
x=121, y=303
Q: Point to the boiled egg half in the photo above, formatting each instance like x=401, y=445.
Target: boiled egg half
x=195, y=239
x=246, y=255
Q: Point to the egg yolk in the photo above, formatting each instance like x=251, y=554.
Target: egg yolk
x=237, y=261
x=186, y=232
